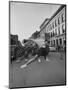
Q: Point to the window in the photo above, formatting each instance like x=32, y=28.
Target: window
x=60, y=41
x=51, y=27
x=53, y=42
x=55, y=23
x=55, y=31
x=59, y=30
x=51, y=34
x=47, y=29
x=62, y=17
x=56, y=41
x=64, y=42
x=63, y=28
x=13, y=42
x=58, y=20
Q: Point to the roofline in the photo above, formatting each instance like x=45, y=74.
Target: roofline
x=44, y=22
x=60, y=8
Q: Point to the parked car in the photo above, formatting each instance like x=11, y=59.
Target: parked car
x=52, y=48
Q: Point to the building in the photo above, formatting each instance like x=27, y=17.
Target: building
x=13, y=44
x=16, y=47
x=14, y=39
x=42, y=29
x=55, y=28
x=34, y=35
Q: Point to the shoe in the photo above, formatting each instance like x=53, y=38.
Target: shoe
x=47, y=60
x=39, y=60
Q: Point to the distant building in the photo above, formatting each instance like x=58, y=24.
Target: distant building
x=42, y=28
x=14, y=39
x=34, y=35
x=55, y=28
x=13, y=44
x=16, y=46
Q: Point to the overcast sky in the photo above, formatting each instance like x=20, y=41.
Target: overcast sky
x=25, y=18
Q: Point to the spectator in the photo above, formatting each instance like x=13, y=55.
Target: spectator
x=44, y=50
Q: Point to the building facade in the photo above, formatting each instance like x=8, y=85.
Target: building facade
x=56, y=28
x=42, y=28
x=13, y=45
x=16, y=47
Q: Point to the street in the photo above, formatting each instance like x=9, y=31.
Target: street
x=42, y=73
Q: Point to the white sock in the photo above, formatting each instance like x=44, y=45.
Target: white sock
x=23, y=66
x=47, y=59
x=39, y=60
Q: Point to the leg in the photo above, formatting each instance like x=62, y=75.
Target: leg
x=45, y=57
x=35, y=57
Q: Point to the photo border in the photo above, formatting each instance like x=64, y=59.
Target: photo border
x=65, y=44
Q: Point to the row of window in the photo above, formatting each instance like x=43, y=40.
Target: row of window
x=56, y=22
x=57, y=42
x=57, y=32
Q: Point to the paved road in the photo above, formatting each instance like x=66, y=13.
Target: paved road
x=36, y=74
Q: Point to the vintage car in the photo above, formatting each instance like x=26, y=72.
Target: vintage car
x=52, y=48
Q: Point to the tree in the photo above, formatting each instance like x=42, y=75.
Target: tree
x=35, y=34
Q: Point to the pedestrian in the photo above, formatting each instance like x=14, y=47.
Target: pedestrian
x=58, y=47
x=43, y=51
x=47, y=49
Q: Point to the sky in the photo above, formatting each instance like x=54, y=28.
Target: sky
x=26, y=18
